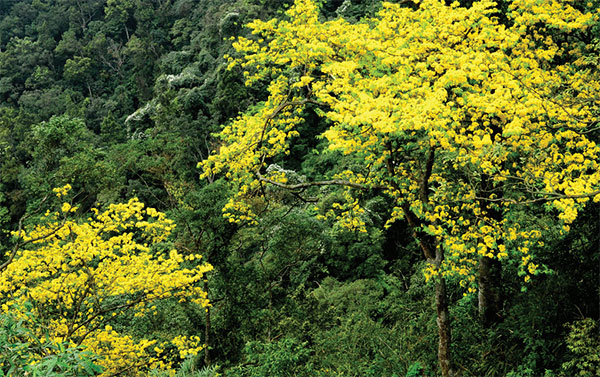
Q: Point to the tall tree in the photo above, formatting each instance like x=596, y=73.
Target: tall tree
x=457, y=118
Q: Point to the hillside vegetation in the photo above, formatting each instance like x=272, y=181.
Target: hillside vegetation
x=299, y=188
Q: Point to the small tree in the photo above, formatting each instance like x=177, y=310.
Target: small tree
x=82, y=278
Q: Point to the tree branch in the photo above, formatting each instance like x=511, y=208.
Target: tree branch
x=424, y=184
x=550, y=196
x=305, y=185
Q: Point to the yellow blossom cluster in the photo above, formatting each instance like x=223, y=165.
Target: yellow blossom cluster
x=348, y=214
x=187, y=345
x=83, y=276
x=62, y=191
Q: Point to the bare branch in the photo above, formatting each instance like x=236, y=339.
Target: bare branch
x=548, y=196
x=305, y=185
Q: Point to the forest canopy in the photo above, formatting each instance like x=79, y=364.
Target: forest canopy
x=312, y=188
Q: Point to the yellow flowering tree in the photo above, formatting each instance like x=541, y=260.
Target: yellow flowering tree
x=460, y=119
x=80, y=278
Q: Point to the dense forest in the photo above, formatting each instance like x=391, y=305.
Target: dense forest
x=299, y=188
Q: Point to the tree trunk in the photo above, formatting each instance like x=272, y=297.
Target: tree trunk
x=434, y=254
x=490, y=270
x=443, y=322
x=206, y=329
x=489, y=295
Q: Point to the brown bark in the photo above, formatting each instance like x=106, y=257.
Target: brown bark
x=434, y=255
x=206, y=330
x=443, y=323
x=489, y=295
x=430, y=249
x=490, y=270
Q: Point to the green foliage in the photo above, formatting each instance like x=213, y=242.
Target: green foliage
x=188, y=368
x=286, y=357
x=354, y=10
x=57, y=138
x=3, y=210
x=24, y=353
x=417, y=370
x=371, y=327
x=583, y=342
x=78, y=68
